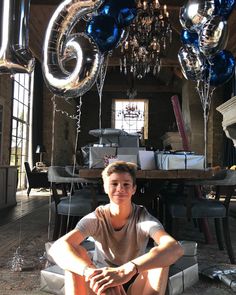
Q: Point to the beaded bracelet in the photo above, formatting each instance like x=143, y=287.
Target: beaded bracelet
x=136, y=267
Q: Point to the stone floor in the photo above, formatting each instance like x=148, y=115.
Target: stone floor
x=31, y=231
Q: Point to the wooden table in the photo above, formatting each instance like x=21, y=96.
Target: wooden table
x=156, y=174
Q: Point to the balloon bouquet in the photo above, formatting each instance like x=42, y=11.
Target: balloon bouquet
x=203, y=57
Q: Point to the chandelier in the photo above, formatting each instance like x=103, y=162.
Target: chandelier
x=131, y=112
x=148, y=37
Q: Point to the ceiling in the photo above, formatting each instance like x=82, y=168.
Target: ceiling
x=42, y=10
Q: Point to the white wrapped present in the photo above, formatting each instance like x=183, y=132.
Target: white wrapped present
x=147, y=160
x=186, y=160
x=184, y=273
x=52, y=280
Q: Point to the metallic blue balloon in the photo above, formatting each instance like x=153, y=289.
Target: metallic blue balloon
x=189, y=38
x=124, y=11
x=221, y=67
x=224, y=7
x=105, y=32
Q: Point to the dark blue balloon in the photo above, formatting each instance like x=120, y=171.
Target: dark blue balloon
x=124, y=11
x=189, y=38
x=224, y=7
x=105, y=32
x=221, y=67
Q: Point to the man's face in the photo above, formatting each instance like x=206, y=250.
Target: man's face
x=119, y=187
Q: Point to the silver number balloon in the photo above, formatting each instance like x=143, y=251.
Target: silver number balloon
x=192, y=64
x=195, y=13
x=60, y=46
x=213, y=36
x=15, y=56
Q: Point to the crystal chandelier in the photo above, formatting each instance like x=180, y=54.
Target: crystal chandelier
x=148, y=37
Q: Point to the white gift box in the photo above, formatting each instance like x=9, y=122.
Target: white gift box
x=179, y=161
x=129, y=154
x=52, y=280
x=147, y=160
x=126, y=158
x=184, y=273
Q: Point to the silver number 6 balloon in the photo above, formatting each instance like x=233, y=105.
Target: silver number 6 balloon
x=60, y=45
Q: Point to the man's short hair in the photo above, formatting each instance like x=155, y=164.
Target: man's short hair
x=120, y=167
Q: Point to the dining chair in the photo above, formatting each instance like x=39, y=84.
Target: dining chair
x=200, y=207
x=71, y=204
x=35, y=179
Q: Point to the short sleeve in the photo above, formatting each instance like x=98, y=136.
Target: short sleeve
x=149, y=224
x=88, y=225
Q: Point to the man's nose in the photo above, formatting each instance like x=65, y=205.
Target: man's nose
x=120, y=186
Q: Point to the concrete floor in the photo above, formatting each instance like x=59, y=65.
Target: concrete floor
x=33, y=230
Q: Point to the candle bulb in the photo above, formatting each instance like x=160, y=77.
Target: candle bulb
x=165, y=8
x=157, y=5
x=144, y=5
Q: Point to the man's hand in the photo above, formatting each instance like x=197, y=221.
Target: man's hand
x=109, y=279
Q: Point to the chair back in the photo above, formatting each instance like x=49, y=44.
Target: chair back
x=59, y=174
x=27, y=170
x=223, y=178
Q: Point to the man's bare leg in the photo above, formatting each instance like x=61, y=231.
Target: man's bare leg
x=151, y=282
x=74, y=283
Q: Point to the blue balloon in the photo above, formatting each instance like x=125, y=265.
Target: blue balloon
x=105, y=32
x=124, y=11
x=189, y=38
x=221, y=67
x=224, y=7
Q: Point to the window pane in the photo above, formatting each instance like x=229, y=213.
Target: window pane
x=15, y=108
x=14, y=127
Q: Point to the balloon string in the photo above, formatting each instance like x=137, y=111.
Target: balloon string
x=78, y=117
x=205, y=93
x=52, y=164
x=100, y=84
x=20, y=231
